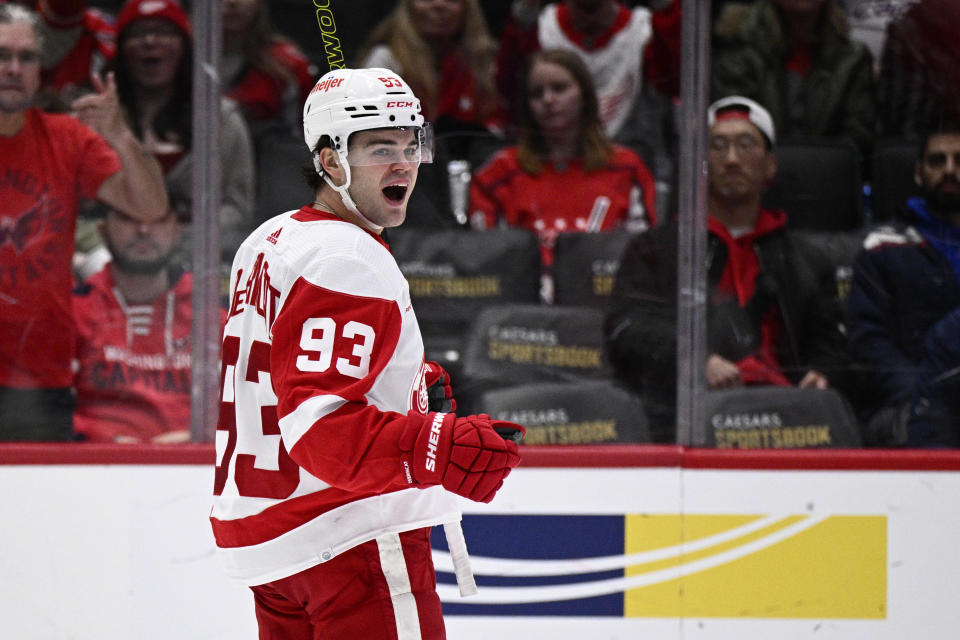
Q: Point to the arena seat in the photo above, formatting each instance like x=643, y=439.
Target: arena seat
x=779, y=418
x=839, y=249
x=524, y=343
x=570, y=413
x=894, y=160
x=818, y=184
x=455, y=273
x=585, y=265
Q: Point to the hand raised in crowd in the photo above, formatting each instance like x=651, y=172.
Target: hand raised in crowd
x=101, y=110
x=722, y=374
x=815, y=380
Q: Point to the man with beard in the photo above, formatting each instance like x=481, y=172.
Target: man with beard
x=771, y=318
x=132, y=351
x=906, y=283
x=48, y=163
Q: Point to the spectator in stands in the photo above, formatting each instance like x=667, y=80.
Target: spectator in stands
x=50, y=161
x=771, y=314
x=564, y=174
x=919, y=70
x=907, y=280
x=445, y=52
x=633, y=56
x=154, y=77
x=77, y=43
x=133, y=323
x=264, y=72
x=797, y=59
x=935, y=410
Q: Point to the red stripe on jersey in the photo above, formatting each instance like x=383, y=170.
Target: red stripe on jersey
x=355, y=448
x=280, y=518
x=329, y=343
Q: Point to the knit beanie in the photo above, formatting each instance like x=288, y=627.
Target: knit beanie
x=167, y=9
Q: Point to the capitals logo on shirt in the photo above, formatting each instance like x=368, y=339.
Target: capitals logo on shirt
x=19, y=230
x=418, y=400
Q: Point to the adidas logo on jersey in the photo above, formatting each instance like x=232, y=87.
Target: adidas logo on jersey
x=272, y=238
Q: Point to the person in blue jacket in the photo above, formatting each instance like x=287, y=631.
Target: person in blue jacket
x=906, y=281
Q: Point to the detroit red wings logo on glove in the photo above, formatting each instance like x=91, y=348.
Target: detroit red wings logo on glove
x=465, y=455
x=432, y=390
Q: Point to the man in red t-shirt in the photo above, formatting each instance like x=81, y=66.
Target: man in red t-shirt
x=49, y=162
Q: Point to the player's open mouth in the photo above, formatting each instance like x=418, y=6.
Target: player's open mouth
x=395, y=193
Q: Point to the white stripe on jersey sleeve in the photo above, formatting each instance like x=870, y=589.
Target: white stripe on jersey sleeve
x=298, y=422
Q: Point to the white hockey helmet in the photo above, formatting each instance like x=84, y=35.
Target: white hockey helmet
x=345, y=101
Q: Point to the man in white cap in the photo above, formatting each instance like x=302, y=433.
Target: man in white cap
x=771, y=314
x=333, y=461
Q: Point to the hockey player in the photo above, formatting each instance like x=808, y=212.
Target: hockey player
x=331, y=466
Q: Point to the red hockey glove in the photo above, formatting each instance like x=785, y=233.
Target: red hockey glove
x=439, y=392
x=466, y=455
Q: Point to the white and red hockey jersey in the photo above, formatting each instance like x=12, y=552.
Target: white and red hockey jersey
x=322, y=360
x=615, y=60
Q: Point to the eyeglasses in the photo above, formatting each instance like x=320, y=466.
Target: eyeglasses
x=744, y=143
x=165, y=33
x=26, y=57
x=938, y=159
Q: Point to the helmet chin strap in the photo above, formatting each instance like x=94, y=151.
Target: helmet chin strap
x=343, y=190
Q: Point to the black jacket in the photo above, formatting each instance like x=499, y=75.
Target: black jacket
x=902, y=287
x=641, y=324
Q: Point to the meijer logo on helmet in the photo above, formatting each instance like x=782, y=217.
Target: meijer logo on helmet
x=326, y=85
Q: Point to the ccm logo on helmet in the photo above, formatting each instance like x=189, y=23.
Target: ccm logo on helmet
x=328, y=84
x=396, y=104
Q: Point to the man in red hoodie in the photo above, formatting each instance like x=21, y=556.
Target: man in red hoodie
x=133, y=337
x=772, y=315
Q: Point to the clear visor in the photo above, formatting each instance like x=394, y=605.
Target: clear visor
x=391, y=145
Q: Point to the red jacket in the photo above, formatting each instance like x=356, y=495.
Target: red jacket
x=622, y=194
x=133, y=361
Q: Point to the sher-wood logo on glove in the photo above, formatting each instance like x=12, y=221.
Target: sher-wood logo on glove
x=466, y=455
x=431, y=461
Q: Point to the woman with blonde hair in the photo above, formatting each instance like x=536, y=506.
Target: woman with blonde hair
x=457, y=90
x=564, y=174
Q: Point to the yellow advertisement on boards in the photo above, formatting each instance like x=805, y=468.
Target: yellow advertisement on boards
x=757, y=566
